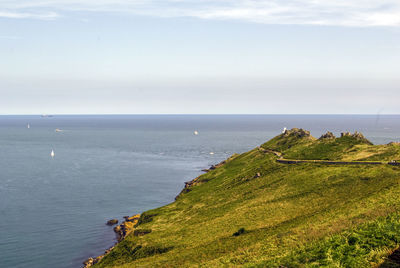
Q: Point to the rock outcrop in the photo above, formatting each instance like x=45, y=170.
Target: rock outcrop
x=112, y=222
x=296, y=132
x=92, y=261
x=327, y=136
x=394, y=143
x=121, y=230
x=345, y=134
x=126, y=227
x=357, y=135
x=220, y=164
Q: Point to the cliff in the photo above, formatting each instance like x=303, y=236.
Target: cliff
x=253, y=211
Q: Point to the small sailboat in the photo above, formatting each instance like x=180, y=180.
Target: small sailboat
x=28, y=126
x=196, y=132
x=52, y=154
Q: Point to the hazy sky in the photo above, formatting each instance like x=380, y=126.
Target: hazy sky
x=175, y=56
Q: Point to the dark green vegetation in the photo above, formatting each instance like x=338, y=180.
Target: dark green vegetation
x=239, y=232
x=252, y=211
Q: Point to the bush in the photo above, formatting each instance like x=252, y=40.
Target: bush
x=145, y=218
x=140, y=232
x=239, y=232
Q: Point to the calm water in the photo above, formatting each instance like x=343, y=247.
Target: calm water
x=53, y=211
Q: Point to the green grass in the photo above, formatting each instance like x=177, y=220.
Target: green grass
x=301, y=215
x=324, y=149
x=364, y=246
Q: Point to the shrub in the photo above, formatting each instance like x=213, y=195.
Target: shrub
x=239, y=232
x=140, y=232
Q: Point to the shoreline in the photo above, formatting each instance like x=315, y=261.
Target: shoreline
x=121, y=230
x=129, y=225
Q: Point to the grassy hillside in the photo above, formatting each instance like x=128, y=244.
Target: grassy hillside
x=255, y=212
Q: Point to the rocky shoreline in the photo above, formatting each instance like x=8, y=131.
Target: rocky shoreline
x=121, y=231
x=130, y=223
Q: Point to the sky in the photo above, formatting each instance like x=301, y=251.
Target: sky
x=199, y=57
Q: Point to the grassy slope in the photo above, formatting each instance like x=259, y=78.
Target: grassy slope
x=289, y=213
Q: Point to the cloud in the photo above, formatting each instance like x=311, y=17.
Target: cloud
x=11, y=37
x=359, y=13
x=27, y=15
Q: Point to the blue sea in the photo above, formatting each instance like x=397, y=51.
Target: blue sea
x=53, y=210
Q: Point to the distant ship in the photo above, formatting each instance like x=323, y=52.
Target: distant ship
x=28, y=126
x=52, y=154
x=46, y=115
x=196, y=132
x=58, y=130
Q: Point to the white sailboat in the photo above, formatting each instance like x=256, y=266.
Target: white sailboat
x=28, y=126
x=52, y=154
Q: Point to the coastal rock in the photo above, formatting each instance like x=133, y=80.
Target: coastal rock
x=92, y=261
x=296, y=132
x=133, y=218
x=108, y=250
x=214, y=166
x=328, y=135
x=357, y=135
x=188, y=185
x=112, y=222
x=126, y=227
x=89, y=262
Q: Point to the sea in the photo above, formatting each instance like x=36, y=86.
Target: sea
x=53, y=210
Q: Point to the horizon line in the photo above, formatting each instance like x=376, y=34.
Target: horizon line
x=168, y=114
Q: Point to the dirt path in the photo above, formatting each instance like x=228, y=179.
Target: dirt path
x=329, y=162
x=292, y=161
